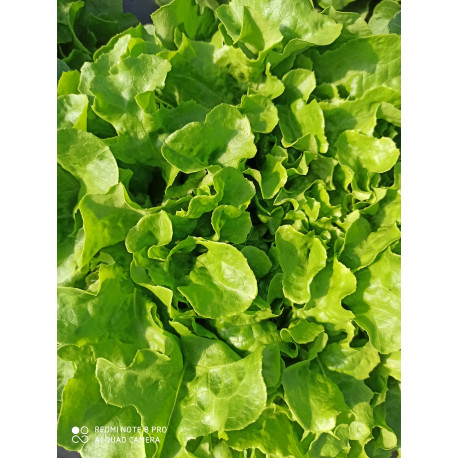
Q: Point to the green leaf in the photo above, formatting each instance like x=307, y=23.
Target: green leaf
x=383, y=13
x=222, y=283
x=359, y=114
x=373, y=230
x=360, y=65
x=314, y=399
x=184, y=16
x=299, y=84
x=231, y=224
x=107, y=219
x=219, y=390
x=228, y=210
x=225, y=146
x=151, y=374
x=72, y=111
x=376, y=302
x=273, y=433
x=155, y=229
x=258, y=261
x=301, y=258
x=88, y=159
x=118, y=91
x=365, y=156
x=302, y=126
x=327, y=289
x=357, y=362
x=248, y=27
x=248, y=331
x=260, y=111
x=394, y=26
x=62, y=67
x=199, y=73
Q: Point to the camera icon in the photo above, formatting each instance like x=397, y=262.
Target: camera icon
x=79, y=434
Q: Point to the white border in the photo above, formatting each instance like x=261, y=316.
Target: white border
x=28, y=229
x=429, y=231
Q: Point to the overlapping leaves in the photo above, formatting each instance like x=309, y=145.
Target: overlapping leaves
x=229, y=229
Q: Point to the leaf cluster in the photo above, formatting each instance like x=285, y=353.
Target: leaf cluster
x=229, y=229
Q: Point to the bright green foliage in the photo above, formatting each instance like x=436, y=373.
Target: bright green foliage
x=82, y=26
x=228, y=140
x=229, y=229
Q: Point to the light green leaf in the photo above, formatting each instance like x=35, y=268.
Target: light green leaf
x=117, y=92
x=331, y=445
x=68, y=83
x=299, y=84
x=150, y=376
x=65, y=371
x=273, y=433
x=200, y=73
x=357, y=362
x=88, y=159
x=359, y=114
x=373, y=229
x=382, y=15
x=302, y=126
x=337, y=4
x=116, y=316
x=220, y=390
x=260, y=111
x=248, y=331
x=301, y=258
x=248, y=27
x=83, y=405
x=272, y=175
x=314, y=400
x=376, y=302
x=353, y=24
x=368, y=154
x=298, y=22
x=258, y=260
x=231, y=224
x=107, y=219
x=72, y=111
x=228, y=141
x=302, y=331
x=393, y=363
x=328, y=288
x=185, y=16
x=222, y=283
x=361, y=64
x=155, y=229
x=235, y=189
x=365, y=156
